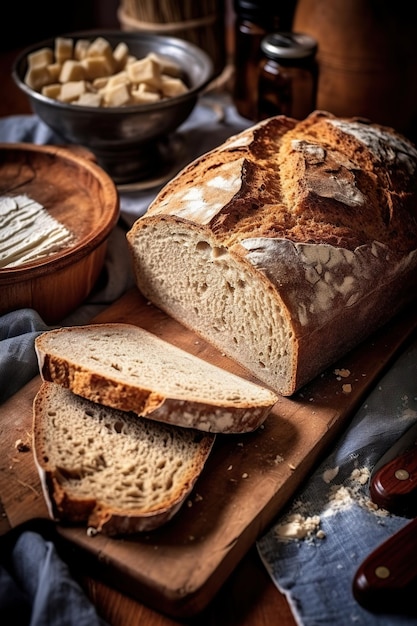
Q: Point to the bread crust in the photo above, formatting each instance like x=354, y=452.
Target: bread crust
x=61, y=474
x=320, y=213
x=187, y=406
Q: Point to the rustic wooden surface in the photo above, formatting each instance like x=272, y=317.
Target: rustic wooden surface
x=247, y=480
x=247, y=597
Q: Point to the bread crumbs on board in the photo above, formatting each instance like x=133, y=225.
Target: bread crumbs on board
x=342, y=373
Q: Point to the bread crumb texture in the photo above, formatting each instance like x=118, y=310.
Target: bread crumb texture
x=100, y=463
x=129, y=368
x=286, y=245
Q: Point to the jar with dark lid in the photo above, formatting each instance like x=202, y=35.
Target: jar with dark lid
x=253, y=20
x=288, y=73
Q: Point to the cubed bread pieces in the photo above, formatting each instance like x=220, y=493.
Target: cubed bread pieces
x=116, y=95
x=38, y=77
x=172, y=86
x=81, y=49
x=89, y=99
x=119, y=78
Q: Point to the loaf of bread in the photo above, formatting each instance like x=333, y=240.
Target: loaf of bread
x=110, y=469
x=287, y=245
x=128, y=368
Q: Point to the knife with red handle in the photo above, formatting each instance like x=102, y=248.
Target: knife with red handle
x=394, y=485
x=386, y=581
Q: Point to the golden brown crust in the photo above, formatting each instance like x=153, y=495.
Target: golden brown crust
x=105, y=378
x=321, y=214
x=289, y=191
x=57, y=416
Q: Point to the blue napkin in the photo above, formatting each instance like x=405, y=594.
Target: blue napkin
x=36, y=587
x=316, y=572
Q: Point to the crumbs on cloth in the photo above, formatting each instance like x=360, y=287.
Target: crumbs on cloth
x=315, y=547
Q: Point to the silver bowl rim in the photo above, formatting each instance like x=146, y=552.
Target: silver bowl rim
x=123, y=36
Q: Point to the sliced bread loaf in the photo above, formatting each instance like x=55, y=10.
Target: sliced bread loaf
x=128, y=368
x=287, y=245
x=111, y=469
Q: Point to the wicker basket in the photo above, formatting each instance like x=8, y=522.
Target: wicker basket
x=201, y=23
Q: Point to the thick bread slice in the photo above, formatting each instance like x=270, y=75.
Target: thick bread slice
x=287, y=245
x=111, y=469
x=128, y=368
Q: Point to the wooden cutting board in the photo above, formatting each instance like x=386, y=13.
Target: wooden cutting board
x=247, y=481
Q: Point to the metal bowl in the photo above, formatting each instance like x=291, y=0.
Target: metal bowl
x=125, y=139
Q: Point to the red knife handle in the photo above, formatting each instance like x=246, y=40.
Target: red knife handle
x=386, y=581
x=394, y=485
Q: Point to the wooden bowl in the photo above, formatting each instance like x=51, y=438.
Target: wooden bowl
x=80, y=195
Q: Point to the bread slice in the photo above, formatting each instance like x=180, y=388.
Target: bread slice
x=128, y=368
x=287, y=245
x=110, y=469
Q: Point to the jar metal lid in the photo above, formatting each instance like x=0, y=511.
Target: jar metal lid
x=288, y=45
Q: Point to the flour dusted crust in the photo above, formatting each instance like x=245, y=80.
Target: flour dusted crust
x=287, y=245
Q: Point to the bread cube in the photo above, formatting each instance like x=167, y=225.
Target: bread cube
x=121, y=78
x=166, y=65
x=40, y=58
x=145, y=94
x=116, y=96
x=100, y=82
x=37, y=77
x=52, y=91
x=101, y=48
x=72, y=70
x=64, y=47
x=80, y=49
x=54, y=70
x=145, y=71
x=120, y=55
x=172, y=87
x=72, y=90
x=89, y=99
x=96, y=66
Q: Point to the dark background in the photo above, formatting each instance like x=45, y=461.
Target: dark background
x=23, y=22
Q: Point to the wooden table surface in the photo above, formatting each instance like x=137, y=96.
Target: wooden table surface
x=248, y=598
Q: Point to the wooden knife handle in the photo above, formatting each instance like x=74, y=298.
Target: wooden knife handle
x=394, y=485
x=386, y=581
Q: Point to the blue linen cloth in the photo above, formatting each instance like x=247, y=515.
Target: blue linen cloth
x=316, y=574
x=36, y=586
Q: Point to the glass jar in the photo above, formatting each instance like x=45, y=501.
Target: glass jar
x=288, y=73
x=253, y=20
